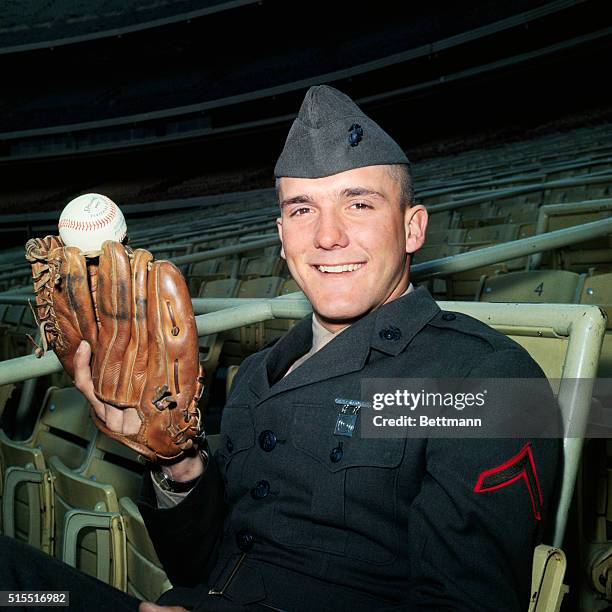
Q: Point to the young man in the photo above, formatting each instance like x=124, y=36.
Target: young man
x=317, y=519
x=298, y=511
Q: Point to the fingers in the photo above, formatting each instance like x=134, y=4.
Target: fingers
x=126, y=422
x=122, y=420
x=82, y=377
x=113, y=418
x=131, y=421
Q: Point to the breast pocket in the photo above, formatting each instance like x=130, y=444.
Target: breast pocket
x=343, y=494
x=237, y=437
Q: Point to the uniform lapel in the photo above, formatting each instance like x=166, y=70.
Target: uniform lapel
x=295, y=343
x=388, y=329
x=345, y=353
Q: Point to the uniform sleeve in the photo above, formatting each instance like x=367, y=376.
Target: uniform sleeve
x=482, y=508
x=186, y=535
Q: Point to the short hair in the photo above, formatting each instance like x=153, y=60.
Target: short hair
x=399, y=173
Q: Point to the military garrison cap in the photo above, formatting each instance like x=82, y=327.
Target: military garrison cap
x=332, y=134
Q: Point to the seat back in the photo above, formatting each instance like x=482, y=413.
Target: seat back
x=252, y=337
x=275, y=328
x=597, y=290
x=14, y=315
x=223, y=288
x=211, y=345
x=115, y=464
x=63, y=429
x=146, y=578
x=66, y=428
x=88, y=520
x=533, y=286
x=577, y=257
x=492, y=234
x=88, y=526
x=267, y=265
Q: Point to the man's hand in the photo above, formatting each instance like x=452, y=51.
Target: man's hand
x=125, y=421
x=147, y=606
x=122, y=421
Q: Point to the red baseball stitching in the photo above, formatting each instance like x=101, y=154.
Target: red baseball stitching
x=90, y=225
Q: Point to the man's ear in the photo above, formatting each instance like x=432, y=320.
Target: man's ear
x=415, y=224
x=279, y=227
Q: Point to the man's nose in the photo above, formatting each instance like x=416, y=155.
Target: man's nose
x=331, y=231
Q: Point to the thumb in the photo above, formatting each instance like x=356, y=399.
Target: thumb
x=82, y=377
x=82, y=370
x=82, y=354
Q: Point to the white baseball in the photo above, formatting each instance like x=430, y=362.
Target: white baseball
x=87, y=221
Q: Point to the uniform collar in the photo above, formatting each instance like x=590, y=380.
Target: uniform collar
x=398, y=322
x=388, y=329
x=321, y=336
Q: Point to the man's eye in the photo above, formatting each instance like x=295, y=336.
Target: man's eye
x=300, y=211
x=361, y=205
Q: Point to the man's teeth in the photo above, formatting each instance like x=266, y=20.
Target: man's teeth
x=342, y=268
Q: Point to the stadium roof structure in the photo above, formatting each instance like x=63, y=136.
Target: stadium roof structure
x=26, y=25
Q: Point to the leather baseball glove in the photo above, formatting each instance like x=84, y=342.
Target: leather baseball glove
x=137, y=316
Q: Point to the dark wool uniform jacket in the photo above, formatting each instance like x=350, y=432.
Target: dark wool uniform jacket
x=299, y=519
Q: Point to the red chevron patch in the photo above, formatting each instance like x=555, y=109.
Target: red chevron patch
x=520, y=467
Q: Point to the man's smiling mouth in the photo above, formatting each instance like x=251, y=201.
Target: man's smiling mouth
x=351, y=267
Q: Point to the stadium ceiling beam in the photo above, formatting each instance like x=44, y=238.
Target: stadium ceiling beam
x=120, y=31
x=390, y=60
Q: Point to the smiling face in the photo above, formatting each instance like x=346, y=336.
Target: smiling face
x=346, y=239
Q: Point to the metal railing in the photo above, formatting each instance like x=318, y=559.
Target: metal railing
x=584, y=326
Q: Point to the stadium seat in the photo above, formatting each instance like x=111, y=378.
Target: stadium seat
x=581, y=260
x=89, y=528
x=578, y=257
x=116, y=464
x=437, y=251
x=13, y=316
x=491, y=234
x=88, y=519
x=252, y=337
x=275, y=328
x=448, y=236
x=228, y=268
x=548, y=571
x=534, y=286
x=146, y=578
x=211, y=345
x=64, y=429
x=224, y=288
x=439, y=221
x=202, y=271
x=267, y=265
x=597, y=290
